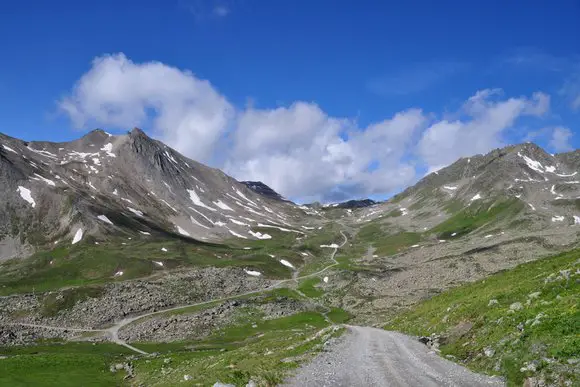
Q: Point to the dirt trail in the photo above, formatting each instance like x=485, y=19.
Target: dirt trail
x=374, y=357
x=113, y=331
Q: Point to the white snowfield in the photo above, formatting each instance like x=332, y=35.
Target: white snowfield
x=26, y=195
x=449, y=187
x=37, y=177
x=259, y=235
x=236, y=234
x=332, y=246
x=476, y=197
x=9, y=149
x=222, y=205
x=253, y=273
x=136, y=212
x=78, y=236
x=197, y=201
x=104, y=219
x=182, y=231
x=557, y=218
x=286, y=263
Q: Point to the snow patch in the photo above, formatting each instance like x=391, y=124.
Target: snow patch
x=286, y=263
x=144, y=232
x=182, y=231
x=222, y=205
x=532, y=207
x=576, y=219
x=449, y=187
x=136, y=212
x=533, y=164
x=476, y=197
x=325, y=279
x=115, y=192
x=194, y=221
x=104, y=219
x=240, y=194
x=43, y=179
x=253, y=273
x=236, y=234
x=197, y=201
x=415, y=246
x=557, y=218
x=404, y=211
x=78, y=236
x=108, y=148
x=9, y=149
x=118, y=274
x=239, y=223
x=158, y=263
x=279, y=228
x=164, y=249
x=564, y=175
x=488, y=236
x=332, y=246
x=259, y=235
x=26, y=195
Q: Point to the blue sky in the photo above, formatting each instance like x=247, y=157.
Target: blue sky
x=348, y=76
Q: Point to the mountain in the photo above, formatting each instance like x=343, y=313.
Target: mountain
x=102, y=184
x=263, y=189
x=545, y=188
x=123, y=242
x=360, y=203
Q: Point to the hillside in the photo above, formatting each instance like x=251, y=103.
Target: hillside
x=122, y=240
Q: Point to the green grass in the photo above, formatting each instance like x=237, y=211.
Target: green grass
x=236, y=354
x=250, y=348
x=71, y=364
x=476, y=216
x=308, y=287
x=339, y=316
x=493, y=326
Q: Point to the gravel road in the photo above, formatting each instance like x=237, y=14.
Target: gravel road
x=374, y=357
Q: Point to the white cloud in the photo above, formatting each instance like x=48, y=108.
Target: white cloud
x=560, y=141
x=481, y=130
x=188, y=113
x=299, y=150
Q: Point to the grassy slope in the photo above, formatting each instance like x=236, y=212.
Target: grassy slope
x=554, y=336
x=87, y=263
x=70, y=364
x=252, y=349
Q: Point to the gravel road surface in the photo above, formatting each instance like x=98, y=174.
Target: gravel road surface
x=373, y=357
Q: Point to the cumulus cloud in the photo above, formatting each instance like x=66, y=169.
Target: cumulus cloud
x=482, y=128
x=302, y=151
x=299, y=150
x=184, y=111
x=560, y=141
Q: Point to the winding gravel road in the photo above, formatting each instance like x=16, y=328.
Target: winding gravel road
x=373, y=357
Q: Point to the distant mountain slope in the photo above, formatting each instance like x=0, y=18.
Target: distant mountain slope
x=102, y=184
x=546, y=188
x=263, y=189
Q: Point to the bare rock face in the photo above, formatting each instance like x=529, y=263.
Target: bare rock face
x=103, y=184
